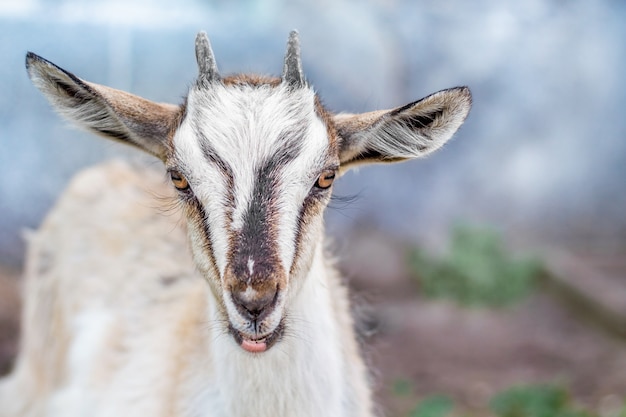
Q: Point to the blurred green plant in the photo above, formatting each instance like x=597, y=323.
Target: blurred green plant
x=477, y=271
x=540, y=400
x=535, y=401
x=435, y=406
x=402, y=387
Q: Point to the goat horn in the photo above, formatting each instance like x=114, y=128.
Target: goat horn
x=292, y=70
x=206, y=61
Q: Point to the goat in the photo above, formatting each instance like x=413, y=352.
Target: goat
x=121, y=320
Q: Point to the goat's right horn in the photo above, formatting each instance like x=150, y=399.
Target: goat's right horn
x=206, y=60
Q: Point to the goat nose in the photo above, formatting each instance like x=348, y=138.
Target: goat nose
x=255, y=304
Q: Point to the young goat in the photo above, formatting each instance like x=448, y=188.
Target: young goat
x=119, y=321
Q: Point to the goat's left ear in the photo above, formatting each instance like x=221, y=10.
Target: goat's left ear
x=406, y=132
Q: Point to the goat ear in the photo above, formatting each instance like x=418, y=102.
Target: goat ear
x=406, y=132
x=105, y=111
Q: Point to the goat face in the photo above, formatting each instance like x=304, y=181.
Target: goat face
x=256, y=159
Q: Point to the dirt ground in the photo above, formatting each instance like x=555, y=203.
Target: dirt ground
x=438, y=348
x=471, y=355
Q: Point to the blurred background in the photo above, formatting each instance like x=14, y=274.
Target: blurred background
x=523, y=213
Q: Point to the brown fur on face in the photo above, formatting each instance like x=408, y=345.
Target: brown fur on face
x=251, y=80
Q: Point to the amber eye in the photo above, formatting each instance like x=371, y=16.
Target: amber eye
x=179, y=180
x=325, y=180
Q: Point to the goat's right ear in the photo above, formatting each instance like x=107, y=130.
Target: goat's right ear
x=105, y=111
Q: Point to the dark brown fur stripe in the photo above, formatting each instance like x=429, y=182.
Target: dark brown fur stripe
x=211, y=155
x=258, y=236
x=312, y=206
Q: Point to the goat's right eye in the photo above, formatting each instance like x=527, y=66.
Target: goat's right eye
x=179, y=180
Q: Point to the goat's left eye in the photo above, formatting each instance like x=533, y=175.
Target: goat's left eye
x=179, y=180
x=325, y=180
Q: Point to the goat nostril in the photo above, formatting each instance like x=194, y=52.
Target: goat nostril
x=256, y=306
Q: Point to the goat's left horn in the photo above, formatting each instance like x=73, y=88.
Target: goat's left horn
x=206, y=60
x=292, y=70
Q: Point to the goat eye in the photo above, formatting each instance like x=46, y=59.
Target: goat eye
x=179, y=180
x=325, y=180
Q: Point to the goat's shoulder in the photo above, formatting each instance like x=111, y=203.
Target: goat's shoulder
x=114, y=232
x=109, y=280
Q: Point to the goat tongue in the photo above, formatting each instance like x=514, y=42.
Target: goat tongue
x=254, y=346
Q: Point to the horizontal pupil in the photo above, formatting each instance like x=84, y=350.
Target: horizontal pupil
x=178, y=180
x=325, y=180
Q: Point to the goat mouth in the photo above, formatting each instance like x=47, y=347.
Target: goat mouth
x=257, y=345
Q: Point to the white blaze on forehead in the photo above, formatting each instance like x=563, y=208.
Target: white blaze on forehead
x=245, y=126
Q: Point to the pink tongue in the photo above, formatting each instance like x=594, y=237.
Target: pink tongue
x=254, y=346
